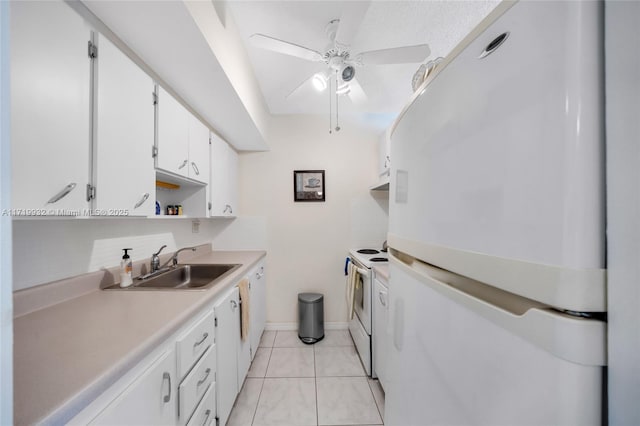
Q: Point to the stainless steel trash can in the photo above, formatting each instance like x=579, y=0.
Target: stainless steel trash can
x=310, y=317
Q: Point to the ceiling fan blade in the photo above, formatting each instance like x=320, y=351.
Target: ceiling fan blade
x=395, y=55
x=356, y=93
x=350, y=21
x=265, y=42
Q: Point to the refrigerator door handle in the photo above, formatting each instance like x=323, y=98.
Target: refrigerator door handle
x=579, y=340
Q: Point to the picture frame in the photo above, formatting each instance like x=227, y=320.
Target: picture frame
x=308, y=185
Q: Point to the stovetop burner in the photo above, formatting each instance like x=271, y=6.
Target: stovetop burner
x=368, y=251
x=378, y=259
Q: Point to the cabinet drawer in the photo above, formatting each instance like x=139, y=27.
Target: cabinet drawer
x=194, y=342
x=195, y=384
x=205, y=414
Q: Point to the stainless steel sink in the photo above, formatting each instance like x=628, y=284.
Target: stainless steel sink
x=183, y=277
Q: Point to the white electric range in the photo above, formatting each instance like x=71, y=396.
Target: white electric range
x=361, y=325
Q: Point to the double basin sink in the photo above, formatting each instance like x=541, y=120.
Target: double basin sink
x=182, y=277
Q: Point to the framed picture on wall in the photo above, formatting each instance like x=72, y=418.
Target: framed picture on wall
x=308, y=185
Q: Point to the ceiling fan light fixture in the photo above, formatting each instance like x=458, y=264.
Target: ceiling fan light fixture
x=319, y=81
x=348, y=72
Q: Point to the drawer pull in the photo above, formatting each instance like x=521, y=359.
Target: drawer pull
x=60, y=195
x=206, y=417
x=198, y=343
x=204, y=379
x=383, y=298
x=167, y=376
x=141, y=201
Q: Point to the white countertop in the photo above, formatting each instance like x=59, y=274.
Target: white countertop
x=67, y=354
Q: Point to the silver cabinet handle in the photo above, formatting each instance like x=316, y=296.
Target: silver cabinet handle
x=184, y=163
x=167, y=376
x=204, y=379
x=198, y=343
x=195, y=168
x=387, y=162
x=142, y=199
x=60, y=195
x=234, y=305
x=206, y=417
x=228, y=207
x=381, y=295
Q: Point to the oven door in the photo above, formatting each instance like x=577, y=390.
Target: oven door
x=363, y=296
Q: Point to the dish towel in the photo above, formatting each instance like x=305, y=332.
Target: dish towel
x=352, y=282
x=243, y=287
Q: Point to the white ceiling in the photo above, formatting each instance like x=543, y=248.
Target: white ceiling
x=385, y=24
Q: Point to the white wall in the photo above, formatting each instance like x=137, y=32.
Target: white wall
x=48, y=250
x=6, y=300
x=307, y=242
x=622, y=35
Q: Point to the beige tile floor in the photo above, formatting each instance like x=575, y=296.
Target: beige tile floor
x=293, y=384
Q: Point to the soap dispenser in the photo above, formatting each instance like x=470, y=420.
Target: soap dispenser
x=126, y=267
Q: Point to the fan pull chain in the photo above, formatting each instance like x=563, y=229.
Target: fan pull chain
x=337, y=123
x=330, y=127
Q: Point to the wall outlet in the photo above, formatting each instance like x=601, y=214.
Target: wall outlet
x=195, y=226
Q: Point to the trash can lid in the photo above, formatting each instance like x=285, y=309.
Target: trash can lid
x=310, y=297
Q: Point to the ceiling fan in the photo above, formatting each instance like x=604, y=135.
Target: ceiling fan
x=340, y=63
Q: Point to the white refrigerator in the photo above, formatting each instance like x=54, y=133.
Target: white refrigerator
x=497, y=292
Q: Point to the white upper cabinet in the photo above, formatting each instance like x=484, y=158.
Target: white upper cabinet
x=198, y=150
x=173, y=134
x=125, y=176
x=384, y=154
x=224, y=178
x=50, y=107
x=183, y=140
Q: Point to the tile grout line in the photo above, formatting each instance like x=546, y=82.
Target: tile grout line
x=255, y=410
x=315, y=382
x=375, y=401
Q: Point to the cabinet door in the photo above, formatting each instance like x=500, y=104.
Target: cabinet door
x=149, y=400
x=380, y=334
x=173, y=134
x=50, y=106
x=232, y=181
x=227, y=335
x=219, y=176
x=199, y=156
x=384, y=154
x=125, y=175
x=244, y=346
x=258, y=305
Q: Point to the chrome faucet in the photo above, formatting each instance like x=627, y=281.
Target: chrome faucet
x=156, y=269
x=155, y=260
x=174, y=258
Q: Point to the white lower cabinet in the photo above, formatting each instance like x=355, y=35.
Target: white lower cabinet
x=205, y=414
x=149, y=400
x=227, y=335
x=194, y=386
x=193, y=378
x=258, y=288
x=196, y=364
